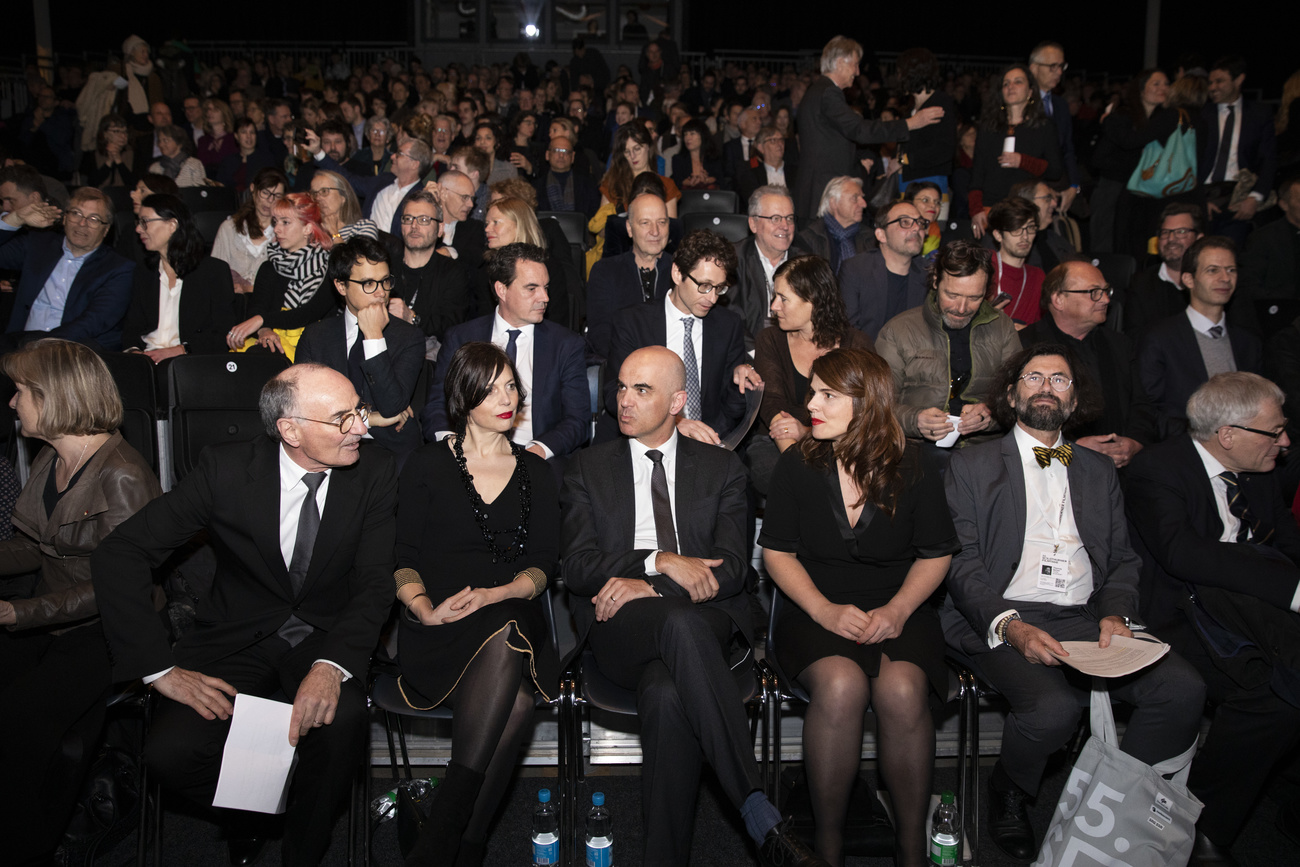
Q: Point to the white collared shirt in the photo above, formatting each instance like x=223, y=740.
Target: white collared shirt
x=168, y=332
x=775, y=176
x=645, y=535
x=386, y=202
x=369, y=348
x=523, y=427
x=1203, y=323
x=769, y=271
x=1165, y=274
x=677, y=332
x=1221, y=117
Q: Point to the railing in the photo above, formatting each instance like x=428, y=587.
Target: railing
x=13, y=91
x=354, y=54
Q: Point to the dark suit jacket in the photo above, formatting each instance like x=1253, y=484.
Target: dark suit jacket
x=814, y=240
x=754, y=175
x=599, y=513
x=586, y=196
x=1171, y=367
x=1256, y=146
x=207, y=309
x=614, y=285
x=1149, y=300
x=986, y=493
x=470, y=243
x=443, y=290
x=864, y=284
x=829, y=132
x=389, y=376
x=1268, y=267
x=721, y=403
x=1064, y=139
x=748, y=298
x=97, y=301
x=561, y=398
x=234, y=494
x=1177, y=528
x=734, y=162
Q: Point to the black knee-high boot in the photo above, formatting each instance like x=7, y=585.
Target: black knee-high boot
x=452, y=808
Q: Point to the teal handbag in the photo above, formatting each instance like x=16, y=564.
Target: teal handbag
x=1168, y=169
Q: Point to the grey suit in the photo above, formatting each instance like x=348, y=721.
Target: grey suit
x=987, y=496
x=672, y=651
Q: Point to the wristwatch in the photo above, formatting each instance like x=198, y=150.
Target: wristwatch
x=1133, y=625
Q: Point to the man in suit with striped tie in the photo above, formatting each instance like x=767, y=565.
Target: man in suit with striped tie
x=1221, y=584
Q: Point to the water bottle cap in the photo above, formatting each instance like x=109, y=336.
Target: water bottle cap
x=945, y=798
x=598, y=799
x=544, y=796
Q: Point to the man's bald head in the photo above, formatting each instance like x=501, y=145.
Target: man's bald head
x=651, y=392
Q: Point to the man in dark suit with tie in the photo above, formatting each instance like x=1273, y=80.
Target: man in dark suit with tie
x=771, y=220
x=655, y=558
x=640, y=276
x=554, y=419
x=710, y=342
x=464, y=237
x=72, y=286
x=737, y=153
x=1220, y=583
x=303, y=528
x=1045, y=558
x=1234, y=135
x=1047, y=65
x=381, y=355
x=880, y=284
x=1180, y=353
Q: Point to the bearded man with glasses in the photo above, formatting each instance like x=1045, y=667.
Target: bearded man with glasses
x=72, y=286
x=880, y=284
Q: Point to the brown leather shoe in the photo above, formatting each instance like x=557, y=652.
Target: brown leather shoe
x=781, y=848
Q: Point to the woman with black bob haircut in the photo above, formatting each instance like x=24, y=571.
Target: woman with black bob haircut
x=183, y=299
x=856, y=570
x=54, y=667
x=478, y=533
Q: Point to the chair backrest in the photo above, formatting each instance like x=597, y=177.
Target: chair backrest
x=208, y=222
x=1117, y=268
x=733, y=227
x=210, y=199
x=213, y=399
x=708, y=202
x=573, y=224
x=134, y=375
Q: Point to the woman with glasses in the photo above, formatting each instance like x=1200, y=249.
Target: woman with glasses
x=218, y=139
x=927, y=197
x=183, y=299
x=634, y=153
x=176, y=161
x=1016, y=142
x=340, y=212
x=477, y=541
x=856, y=570
x=287, y=293
x=54, y=667
x=374, y=157
x=111, y=163
x=238, y=169
x=243, y=238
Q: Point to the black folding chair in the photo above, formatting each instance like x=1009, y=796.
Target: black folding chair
x=733, y=227
x=133, y=373
x=199, y=199
x=708, y=202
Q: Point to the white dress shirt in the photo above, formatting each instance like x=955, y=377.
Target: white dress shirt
x=386, y=202
x=1165, y=275
x=523, y=432
x=1203, y=323
x=677, y=332
x=645, y=534
x=775, y=176
x=168, y=332
x=369, y=348
x=1050, y=529
x=1234, y=134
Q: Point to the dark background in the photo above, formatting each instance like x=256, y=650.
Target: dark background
x=1099, y=36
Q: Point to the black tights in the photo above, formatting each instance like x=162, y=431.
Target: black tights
x=493, y=704
x=832, y=748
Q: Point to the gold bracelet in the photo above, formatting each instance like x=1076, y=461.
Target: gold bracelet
x=538, y=577
x=407, y=576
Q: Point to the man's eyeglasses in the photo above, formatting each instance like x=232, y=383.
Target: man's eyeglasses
x=561, y=151
x=777, y=219
x=94, y=220
x=1027, y=231
x=706, y=288
x=423, y=220
x=909, y=222
x=1096, y=293
x=370, y=287
x=1273, y=435
x=344, y=424
x=1055, y=67
x=1176, y=233
x=1059, y=382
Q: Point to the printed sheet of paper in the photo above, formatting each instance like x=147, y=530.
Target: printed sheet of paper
x=258, y=759
x=1124, y=656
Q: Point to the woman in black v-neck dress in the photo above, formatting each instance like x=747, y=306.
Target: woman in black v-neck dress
x=477, y=536
x=858, y=536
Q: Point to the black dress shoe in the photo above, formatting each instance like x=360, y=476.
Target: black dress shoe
x=245, y=851
x=1206, y=854
x=1009, y=823
x=781, y=848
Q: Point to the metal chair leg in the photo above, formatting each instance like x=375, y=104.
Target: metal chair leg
x=406, y=758
x=392, y=750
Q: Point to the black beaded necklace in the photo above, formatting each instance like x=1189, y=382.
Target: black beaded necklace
x=516, y=548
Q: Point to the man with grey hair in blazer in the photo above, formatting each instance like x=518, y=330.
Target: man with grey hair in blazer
x=654, y=558
x=1046, y=558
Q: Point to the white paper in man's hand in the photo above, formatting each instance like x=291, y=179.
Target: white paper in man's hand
x=1124, y=656
x=257, y=760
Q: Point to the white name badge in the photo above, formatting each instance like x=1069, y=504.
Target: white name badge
x=1053, y=573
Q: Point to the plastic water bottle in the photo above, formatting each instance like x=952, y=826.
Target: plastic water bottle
x=546, y=846
x=945, y=832
x=600, y=840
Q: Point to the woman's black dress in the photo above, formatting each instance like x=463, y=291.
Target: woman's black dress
x=438, y=537
x=863, y=565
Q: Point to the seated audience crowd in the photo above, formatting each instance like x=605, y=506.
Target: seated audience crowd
x=953, y=292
